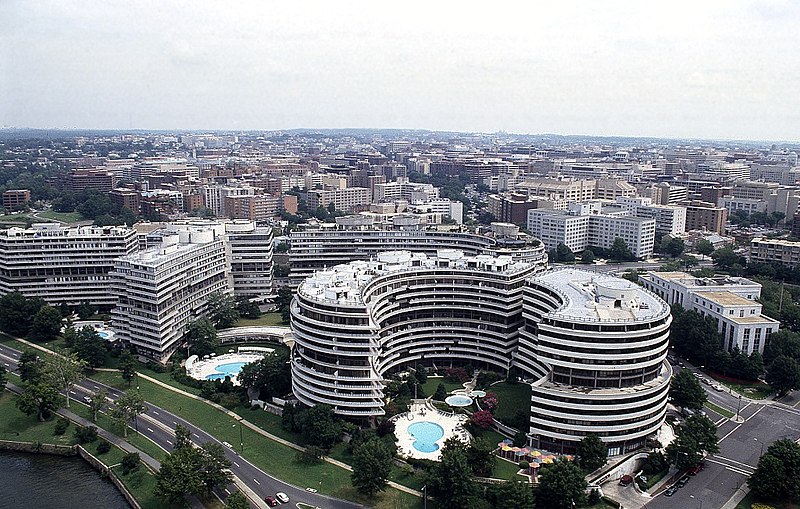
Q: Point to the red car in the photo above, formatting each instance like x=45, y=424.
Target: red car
x=271, y=501
x=696, y=470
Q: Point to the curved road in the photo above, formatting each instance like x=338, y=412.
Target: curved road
x=158, y=425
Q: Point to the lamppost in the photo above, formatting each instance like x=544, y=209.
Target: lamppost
x=241, y=437
x=425, y=497
x=738, y=406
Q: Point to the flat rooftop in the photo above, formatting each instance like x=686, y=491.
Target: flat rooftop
x=343, y=283
x=726, y=298
x=591, y=296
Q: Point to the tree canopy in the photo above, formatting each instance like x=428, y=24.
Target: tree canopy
x=592, y=453
x=270, y=375
x=450, y=480
x=696, y=435
x=202, y=337
x=777, y=476
x=561, y=486
x=783, y=374
x=686, y=392
x=372, y=464
x=222, y=310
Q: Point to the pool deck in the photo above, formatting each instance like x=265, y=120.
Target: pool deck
x=200, y=369
x=424, y=411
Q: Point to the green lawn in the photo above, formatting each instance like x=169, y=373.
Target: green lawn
x=64, y=217
x=504, y=469
x=721, y=411
x=267, y=319
x=429, y=387
x=752, y=391
x=511, y=397
x=272, y=457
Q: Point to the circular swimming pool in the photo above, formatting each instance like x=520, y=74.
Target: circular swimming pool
x=230, y=369
x=458, y=400
x=103, y=334
x=425, y=435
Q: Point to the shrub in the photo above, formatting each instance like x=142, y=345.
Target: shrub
x=61, y=426
x=103, y=447
x=456, y=375
x=312, y=455
x=85, y=434
x=130, y=462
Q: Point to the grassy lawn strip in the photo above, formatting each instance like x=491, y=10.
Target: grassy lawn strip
x=272, y=457
x=511, y=397
x=66, y=217
x=721, y=411
x=504, y=469
x=752, y=391
x=267, y=320
x=429, y=387
x=653, y=479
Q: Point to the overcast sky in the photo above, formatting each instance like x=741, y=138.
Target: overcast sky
x=727, y=69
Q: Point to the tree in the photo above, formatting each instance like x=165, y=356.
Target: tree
x=372, y=464
x=130, y=462
x=783, y=375
x=686, y=391
x=619, y=251
x=46, y=324
x=248, y=309
x=85, y=310
x=482, y=459
x=39, y=398
x=17, y=312
x=283, y=302
x=482, y=419
x=97, y=402
x=178, y=477
x=587, y=256
x=63, y=372
x=777, y=476
x=783, y=342
x=694, y=437
x=592, y=453
x=183, y=437
x=672, y=247
x=564, y=254
x=237, y=501
x=85, y=434
x=450, y=480
x=561, y=486
x=270, y=375
x=693, y=335
x=202, y=337
x=222, y=310
x=511, y=495
x=126, y=409
x=704, y=247
x=727, y=259
x=90, y=347
x=421, y=374
x=441, y=392
x=29, y=367
x=319, y=426
x=127, y=366
x=213, y=466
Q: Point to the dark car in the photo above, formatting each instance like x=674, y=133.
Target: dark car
x=671, y=491
x=683, y=482
x=271, y=501
x=696, y=470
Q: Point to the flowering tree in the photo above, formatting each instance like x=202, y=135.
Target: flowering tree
x=482, y=419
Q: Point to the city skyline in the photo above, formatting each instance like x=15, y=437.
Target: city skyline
x=708, y=71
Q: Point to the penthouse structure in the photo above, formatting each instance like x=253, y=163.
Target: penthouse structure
x=356, y=238
x=161, y=290
x=61, y=264
x=594, y=347
x=357, y=322
x=730, y=301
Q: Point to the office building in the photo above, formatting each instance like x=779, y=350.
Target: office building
x=705, y=216
x=730, y=301
x=782, y=252
x=13, y=199
x=348, y=199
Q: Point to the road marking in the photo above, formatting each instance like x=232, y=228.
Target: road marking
x=756, y=412
x=150, y=430
x=195, y=434
x=237, y=465
x=155, y=412
x=175, y=423
x=733, y=468
x=717, y=456
x=729, y=433
x=256, y=481
x=96, y=387
x=720, y=421
x=736, y=470
x=227, y=491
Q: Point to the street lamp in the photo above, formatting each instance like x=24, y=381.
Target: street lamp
x=425, y=496
x=738, y=406
x=241, y=437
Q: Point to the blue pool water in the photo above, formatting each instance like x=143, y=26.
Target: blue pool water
x=228, y=369
x=103, y=334
x=458, y=400
x=426, y=434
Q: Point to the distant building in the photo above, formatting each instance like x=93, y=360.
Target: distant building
x=705, y=216
x=13, y=199
x=81, y=179
x=778, y=251
x=346, y=200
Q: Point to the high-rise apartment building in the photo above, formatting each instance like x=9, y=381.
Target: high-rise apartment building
x=61, y=264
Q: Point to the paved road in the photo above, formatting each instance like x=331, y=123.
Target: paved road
x=158, y=425
x=741, y=445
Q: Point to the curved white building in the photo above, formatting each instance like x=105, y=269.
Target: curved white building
x=356, y=322
x=596, y=345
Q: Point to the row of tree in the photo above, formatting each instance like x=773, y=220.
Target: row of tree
x=619, y=252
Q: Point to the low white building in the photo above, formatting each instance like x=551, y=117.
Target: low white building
x=730, y=301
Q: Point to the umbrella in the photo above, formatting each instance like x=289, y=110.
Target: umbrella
x=508, y=441
x=536, y=453
x=547, y=460
x=520, y=453
x=506, y=448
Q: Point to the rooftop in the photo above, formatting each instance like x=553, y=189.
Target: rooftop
x=343, y=283
x=598, y=297
x=689, y=280
x=726, y=298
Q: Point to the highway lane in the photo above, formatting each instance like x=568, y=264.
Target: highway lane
x=158, y=424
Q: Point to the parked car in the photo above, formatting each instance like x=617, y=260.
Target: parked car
x=670, y=491
x=283, y=497
x=718, y=388
x=271, y=501
x=625, y=480
x=697, y=469
x=682, y=482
